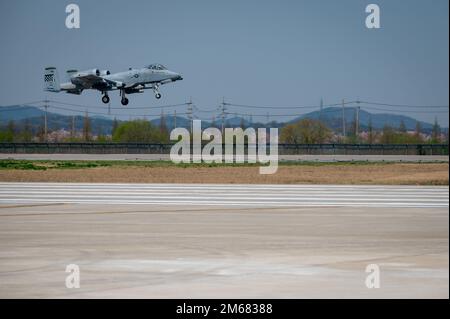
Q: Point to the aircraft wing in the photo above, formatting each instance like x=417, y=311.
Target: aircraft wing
x=92, y=80
x=88, y=80
x=75, y=91
x=115, y=83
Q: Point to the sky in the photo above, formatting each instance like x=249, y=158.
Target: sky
x=263, y=53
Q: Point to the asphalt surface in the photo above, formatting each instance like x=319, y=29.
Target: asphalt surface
x=298, y=158
x=223, y=241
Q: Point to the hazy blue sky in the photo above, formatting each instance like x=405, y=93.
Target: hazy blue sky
x=282, y=53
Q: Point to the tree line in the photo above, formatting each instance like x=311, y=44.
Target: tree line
x=310, y=131
x=305, y=131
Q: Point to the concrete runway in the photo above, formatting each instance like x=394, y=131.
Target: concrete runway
x=287, y=158
x=223, y=241
x=226, y=195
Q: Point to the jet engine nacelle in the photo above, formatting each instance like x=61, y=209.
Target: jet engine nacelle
x=133, y=90
x=87, y=72
x=104, y=72
x=120, y=84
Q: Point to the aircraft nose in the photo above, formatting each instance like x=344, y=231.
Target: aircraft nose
x=177, y=77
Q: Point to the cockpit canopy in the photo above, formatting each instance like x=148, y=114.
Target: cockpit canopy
x=156, y=67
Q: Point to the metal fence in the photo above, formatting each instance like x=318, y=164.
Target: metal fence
x=284, y=149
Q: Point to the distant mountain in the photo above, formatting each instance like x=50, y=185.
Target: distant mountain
x=34, y=117
x=17, y=112
x=331, y=116
x=170, y=122
x=229, y=122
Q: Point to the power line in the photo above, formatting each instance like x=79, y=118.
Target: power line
x=222, y=111
x=336, y=110
x=404, y=105
x=4, y=109
x=121, y=108
x=23, y=106
x=33, y=102
x=101, y=113
x=236, y=105
x=365, y=107
x=203, y=110
x=285, y=107
x=403, y=111
x=26, y=103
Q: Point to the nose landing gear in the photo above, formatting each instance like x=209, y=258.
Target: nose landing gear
x=156, y=91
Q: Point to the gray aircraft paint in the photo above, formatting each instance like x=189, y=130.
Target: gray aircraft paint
x=128, y=82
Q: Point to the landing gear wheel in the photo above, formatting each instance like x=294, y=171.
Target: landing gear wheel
x=105, y=99
x=158, y=95
x=124, y=101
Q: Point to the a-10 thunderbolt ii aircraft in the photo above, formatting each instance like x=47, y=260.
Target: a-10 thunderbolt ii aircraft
x=127, y=82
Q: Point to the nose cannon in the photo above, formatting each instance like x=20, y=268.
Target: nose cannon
x=177, y=77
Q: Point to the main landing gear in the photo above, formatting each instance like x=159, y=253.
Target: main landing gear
x=105, y=98
x=124, y=99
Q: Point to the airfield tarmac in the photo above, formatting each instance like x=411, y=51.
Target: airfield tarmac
x=224, y=241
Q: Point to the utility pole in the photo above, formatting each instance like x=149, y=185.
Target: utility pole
x=72, y=130
x=357, y=121
x=86, y=127
x=189, y=113
x=321, y=110
x=174, y=119
x=223, y=114
x=45, y=120
x=162, y=122
x=343, y=118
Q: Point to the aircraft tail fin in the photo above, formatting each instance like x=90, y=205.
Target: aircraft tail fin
x=51, y=80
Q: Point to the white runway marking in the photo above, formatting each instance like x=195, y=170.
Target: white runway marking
x=227, y=195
